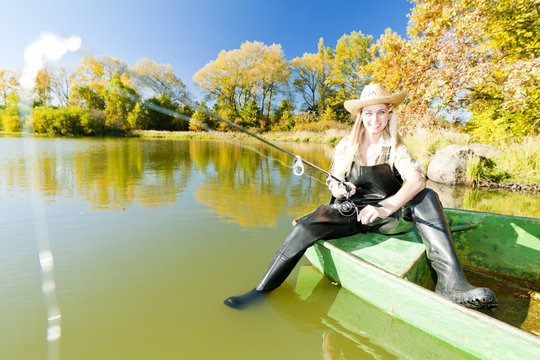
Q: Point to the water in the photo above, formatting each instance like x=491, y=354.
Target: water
x=150, y=236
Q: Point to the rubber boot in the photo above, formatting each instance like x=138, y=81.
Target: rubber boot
x=429, y=218
x=283, y=263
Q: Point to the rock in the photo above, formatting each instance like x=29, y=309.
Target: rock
x=485, y=151
x=449, y=165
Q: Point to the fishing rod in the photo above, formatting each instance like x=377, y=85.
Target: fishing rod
x=346, y=207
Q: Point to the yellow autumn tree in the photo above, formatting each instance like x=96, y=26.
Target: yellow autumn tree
x=240, y=76
x=352, y=54
x=159, y=79
x=482, y=56
x=312, y=73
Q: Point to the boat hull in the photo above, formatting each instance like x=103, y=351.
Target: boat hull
x=392, y=273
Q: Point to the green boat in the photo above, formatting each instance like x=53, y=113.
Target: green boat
x=393, y=274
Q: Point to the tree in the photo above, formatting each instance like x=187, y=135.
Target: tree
x=9, y=84
x=120, y=101
x=250, y=115
x=306, y=80
x=396, y=66
x=92, y=77
x=351, y=56
x=161, y=114
x=479, y=55
x=270, y=72
x=159, y=79
x=325, y=59
x=61, y=84
x=43, y=86
x=202, y=120
x=252, y=73
x=312, y=73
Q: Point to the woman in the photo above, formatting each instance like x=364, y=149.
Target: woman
x=374, y=162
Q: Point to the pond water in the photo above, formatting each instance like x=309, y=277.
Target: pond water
x=149, y=237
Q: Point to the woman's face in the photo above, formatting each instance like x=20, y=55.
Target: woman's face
x=375, y=118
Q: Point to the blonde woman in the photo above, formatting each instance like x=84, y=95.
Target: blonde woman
x=386, y=189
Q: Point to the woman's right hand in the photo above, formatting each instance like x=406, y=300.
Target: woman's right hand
x=339, y=191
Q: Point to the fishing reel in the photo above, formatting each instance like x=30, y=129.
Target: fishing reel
x=347, y=207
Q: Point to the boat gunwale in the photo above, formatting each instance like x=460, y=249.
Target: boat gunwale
x=430, y=296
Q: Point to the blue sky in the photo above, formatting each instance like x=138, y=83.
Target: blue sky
x=189, y=34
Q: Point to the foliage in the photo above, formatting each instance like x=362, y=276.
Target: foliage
x=479, y=55
x=88, y=97
x=474, y=57
x=120, y=100
x=250, y=115
x=254, y=72
x=480, y=169
x=201, y=120
x=9, y=118
x=165, y=114
x=159, y=79
x=65, y=121
x=137, y=118
x=312, y=75
x=8, y=84
x=352, y=54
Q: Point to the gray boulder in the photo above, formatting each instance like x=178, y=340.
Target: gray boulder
x=449, y=165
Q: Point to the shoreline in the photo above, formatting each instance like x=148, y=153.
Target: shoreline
x=330, y=137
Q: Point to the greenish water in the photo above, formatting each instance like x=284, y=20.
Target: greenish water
x=150, y=236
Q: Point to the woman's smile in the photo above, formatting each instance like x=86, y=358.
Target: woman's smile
x=375, y=118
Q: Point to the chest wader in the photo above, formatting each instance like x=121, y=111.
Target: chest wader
x=375, y=183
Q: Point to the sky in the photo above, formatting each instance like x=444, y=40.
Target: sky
x=189, y=34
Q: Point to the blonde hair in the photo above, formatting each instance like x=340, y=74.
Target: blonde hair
x=348, y=147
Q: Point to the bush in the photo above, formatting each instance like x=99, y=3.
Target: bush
x=68, y=121
x=9, y=119
x=481, y=169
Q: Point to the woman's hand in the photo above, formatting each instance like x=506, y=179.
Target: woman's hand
x=368, y=214
x=339, y=191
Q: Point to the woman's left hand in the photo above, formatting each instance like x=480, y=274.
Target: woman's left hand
x=368, y=214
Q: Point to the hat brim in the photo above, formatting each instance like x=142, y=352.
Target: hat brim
x=354, y=106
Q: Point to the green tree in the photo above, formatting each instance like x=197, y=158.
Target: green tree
x=165, y=114
x=251, y=115
x=351, y=56
x=202, y=120
x=137, y=119
x=120, y=100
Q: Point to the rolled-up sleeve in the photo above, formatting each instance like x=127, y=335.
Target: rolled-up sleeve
x=405, y=164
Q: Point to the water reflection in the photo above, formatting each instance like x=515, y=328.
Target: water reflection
x=246, y=183
x=462, y=197
x=315, y=305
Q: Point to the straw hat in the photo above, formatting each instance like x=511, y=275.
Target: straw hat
x=371, y=95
